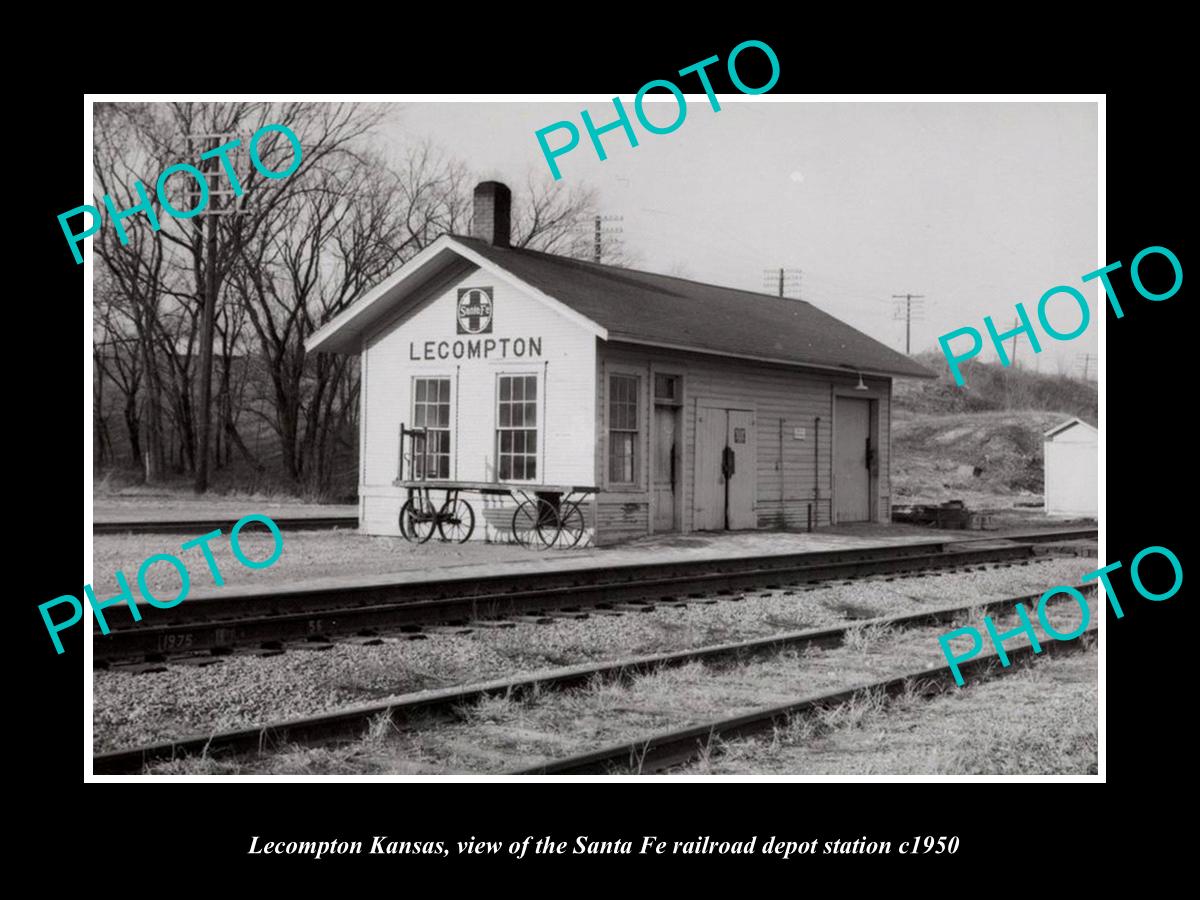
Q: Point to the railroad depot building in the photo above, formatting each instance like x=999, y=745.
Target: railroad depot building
x=674, y=405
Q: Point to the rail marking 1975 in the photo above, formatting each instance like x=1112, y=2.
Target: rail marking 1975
x=126, y=594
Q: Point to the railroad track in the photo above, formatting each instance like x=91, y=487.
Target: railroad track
x=659, y=750
x=196, y=527
x=270, y=622
x=669, y=749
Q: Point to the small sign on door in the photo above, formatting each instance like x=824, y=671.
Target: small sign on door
x=739, y=435
x=799, y=434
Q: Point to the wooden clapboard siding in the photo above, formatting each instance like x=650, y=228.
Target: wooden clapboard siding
x=779, y=396
x=573, y=375
x=564, y=368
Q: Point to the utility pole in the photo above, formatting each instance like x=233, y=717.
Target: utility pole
x=600, y=231
x=220, y=202
x=206, y=342
x=908, y=315
x=786, y=282
x=1086, y=358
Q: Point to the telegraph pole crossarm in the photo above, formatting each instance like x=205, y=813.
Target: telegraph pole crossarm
x=908, y=299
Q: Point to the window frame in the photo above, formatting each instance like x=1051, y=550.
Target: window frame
x=639, y=440
x=536, y=455
x=677, y=378
x=449, y=429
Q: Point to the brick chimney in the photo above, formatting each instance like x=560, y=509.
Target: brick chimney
x=493, y=209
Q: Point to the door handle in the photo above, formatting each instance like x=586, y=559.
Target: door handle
x=727, y=461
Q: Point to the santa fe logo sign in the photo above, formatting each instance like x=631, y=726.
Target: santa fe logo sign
x=475, y=310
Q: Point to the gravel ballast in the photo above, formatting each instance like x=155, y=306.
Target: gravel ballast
x=246, y=691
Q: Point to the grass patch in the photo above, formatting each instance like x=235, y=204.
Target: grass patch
x=865, y=638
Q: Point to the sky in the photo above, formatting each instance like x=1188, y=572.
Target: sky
x=974, y=205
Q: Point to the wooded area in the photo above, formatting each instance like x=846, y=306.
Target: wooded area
x=292, y=254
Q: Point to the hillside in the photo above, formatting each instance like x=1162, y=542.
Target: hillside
x=981, y=443
x=990, y=387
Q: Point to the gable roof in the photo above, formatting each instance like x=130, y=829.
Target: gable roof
x=1070, y=423
x=434, y=268
x=660, y=310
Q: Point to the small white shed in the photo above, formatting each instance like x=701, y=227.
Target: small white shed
x=1071, y=454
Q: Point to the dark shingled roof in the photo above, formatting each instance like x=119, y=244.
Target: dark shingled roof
x=658, y=309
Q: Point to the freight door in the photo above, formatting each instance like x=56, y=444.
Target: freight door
x=726, y=464
x=743, y=461
x=852, y=460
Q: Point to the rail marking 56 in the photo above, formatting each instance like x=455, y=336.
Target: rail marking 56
x=126, y=594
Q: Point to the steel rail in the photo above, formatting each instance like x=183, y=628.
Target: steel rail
x=668, y=749
x=200, y=526
x=283, y=622
x=351, y=722
x=277, y=599
x=230, y=603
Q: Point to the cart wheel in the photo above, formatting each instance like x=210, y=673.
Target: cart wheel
x=571, y=527
x=456, y=521
x=526, y=521
x=416, y=523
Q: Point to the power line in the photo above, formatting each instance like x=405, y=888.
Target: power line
x=908, y=315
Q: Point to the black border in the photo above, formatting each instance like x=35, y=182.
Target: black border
x=1145, y=429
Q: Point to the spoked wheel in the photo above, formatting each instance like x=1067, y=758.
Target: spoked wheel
x=456, y=521
x=566, y=529
x=527, y=521
x=416, y=521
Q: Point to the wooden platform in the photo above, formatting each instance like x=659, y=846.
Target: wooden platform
x=702, y=548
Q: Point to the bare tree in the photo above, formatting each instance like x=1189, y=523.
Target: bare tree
x=133, y=271
x=559, y=218
x=298, y=251
x=551, y=217
x=117, y=360
x=320, y=250
x=165, y=272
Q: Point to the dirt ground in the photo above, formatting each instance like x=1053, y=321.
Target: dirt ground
x=989, y=460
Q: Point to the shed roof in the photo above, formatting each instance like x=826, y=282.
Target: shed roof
x=1064, y=426
x=660, y=310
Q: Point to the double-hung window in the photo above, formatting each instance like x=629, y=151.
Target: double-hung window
x=516, y=428
x=623, y=429
x=431, y=411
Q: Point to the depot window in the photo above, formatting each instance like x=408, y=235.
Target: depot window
x=516, y=429
x=623, y=429
x=431, y=411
